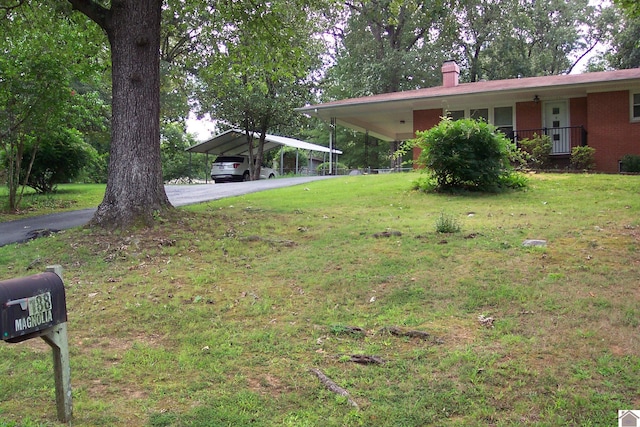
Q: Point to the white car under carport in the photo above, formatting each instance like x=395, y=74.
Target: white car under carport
x=236, y=168
x=234, y=143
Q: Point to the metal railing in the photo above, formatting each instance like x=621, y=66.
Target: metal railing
x=563, y=139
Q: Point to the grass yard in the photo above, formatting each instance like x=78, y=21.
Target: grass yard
x=68, y=197
x=217, y=316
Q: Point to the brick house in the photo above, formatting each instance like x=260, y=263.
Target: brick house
x=600, y=109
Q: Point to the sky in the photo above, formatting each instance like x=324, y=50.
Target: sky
x=201, y=129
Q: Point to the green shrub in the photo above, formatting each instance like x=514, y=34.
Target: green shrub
x=630, y=163
x=466, y=155
x=447, y=224
x=428, y=184
x=59, y=158
x=537, y=151
x=323, y=168
x=583, y=158
x=514, y=180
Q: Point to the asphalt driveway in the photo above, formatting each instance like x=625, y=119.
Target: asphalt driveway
x=21, y=230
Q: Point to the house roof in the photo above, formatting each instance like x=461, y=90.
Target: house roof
x=234, y=142
x=389, y=116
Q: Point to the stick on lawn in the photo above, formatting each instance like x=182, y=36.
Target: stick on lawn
x=333, y=386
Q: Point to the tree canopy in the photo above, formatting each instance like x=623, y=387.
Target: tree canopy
x=260, y=67
x=42, y=63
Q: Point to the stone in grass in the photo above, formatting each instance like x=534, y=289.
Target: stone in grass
x=534, y=242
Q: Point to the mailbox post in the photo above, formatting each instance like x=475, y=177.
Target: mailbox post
x=35, y=306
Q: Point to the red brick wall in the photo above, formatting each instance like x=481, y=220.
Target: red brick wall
x=610, y=130
x=424, y=120
x=578, y=111
x=528, y=115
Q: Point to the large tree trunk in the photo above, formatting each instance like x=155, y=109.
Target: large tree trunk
x=135, y=190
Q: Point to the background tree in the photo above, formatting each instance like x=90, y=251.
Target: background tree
x=387, y=46
x=259, y=68
x=630, y=7
x=475, y=26
x=511, y=39
x=39, y=67
x=623, y=46
x=175, y=160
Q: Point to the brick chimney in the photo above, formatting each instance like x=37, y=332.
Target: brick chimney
x=450, y=74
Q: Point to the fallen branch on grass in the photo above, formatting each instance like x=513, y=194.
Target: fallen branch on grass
x=366, y=360
x=411, y=334
x=273, y=242
x=331, y=386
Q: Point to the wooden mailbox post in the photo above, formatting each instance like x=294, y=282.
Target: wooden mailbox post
x=35, y=306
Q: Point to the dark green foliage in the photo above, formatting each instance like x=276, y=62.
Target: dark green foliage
x=290, y=157
x=630, y=163
x=583, y=158
x=630, y=7
x=426, y=183
x=466, y=155
x=324, y=168
x=95, y=172
x=514, y=181
x=59, y=158
x=537, y=151
x=175, y=160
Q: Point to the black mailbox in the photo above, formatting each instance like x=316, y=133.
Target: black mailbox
x=31, y=304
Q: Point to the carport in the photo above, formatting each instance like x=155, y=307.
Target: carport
x=234, y=142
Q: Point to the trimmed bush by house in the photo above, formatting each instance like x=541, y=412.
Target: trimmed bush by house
x=467, y=155
x=583, y=158
x=537, y=151
x=630, y=163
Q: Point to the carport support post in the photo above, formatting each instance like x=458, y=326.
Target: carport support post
x=56, y=337
x=282, y=161
x=332, y=142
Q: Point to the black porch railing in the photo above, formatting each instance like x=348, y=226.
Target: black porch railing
x=563, y=139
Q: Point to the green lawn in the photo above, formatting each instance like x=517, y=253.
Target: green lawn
x=216, y=316
x=67, y=197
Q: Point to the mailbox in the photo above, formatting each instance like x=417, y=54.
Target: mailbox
x=31, y=304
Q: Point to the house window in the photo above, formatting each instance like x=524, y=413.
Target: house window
x=456, y=114
x=635, y=107
x=503, y=119
x=479, y=113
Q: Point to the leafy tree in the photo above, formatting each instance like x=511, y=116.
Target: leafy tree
x=36, y=85
x=61, y=155
x=258, y=69
x=476, y=26
x=466, y=155
x=175, y=160
x=387, y=46
x=631, y=7
x=624, y=46
x=510, y=39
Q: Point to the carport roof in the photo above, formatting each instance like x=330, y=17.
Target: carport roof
x=234, y=142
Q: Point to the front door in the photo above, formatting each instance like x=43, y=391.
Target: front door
x=556, y=120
